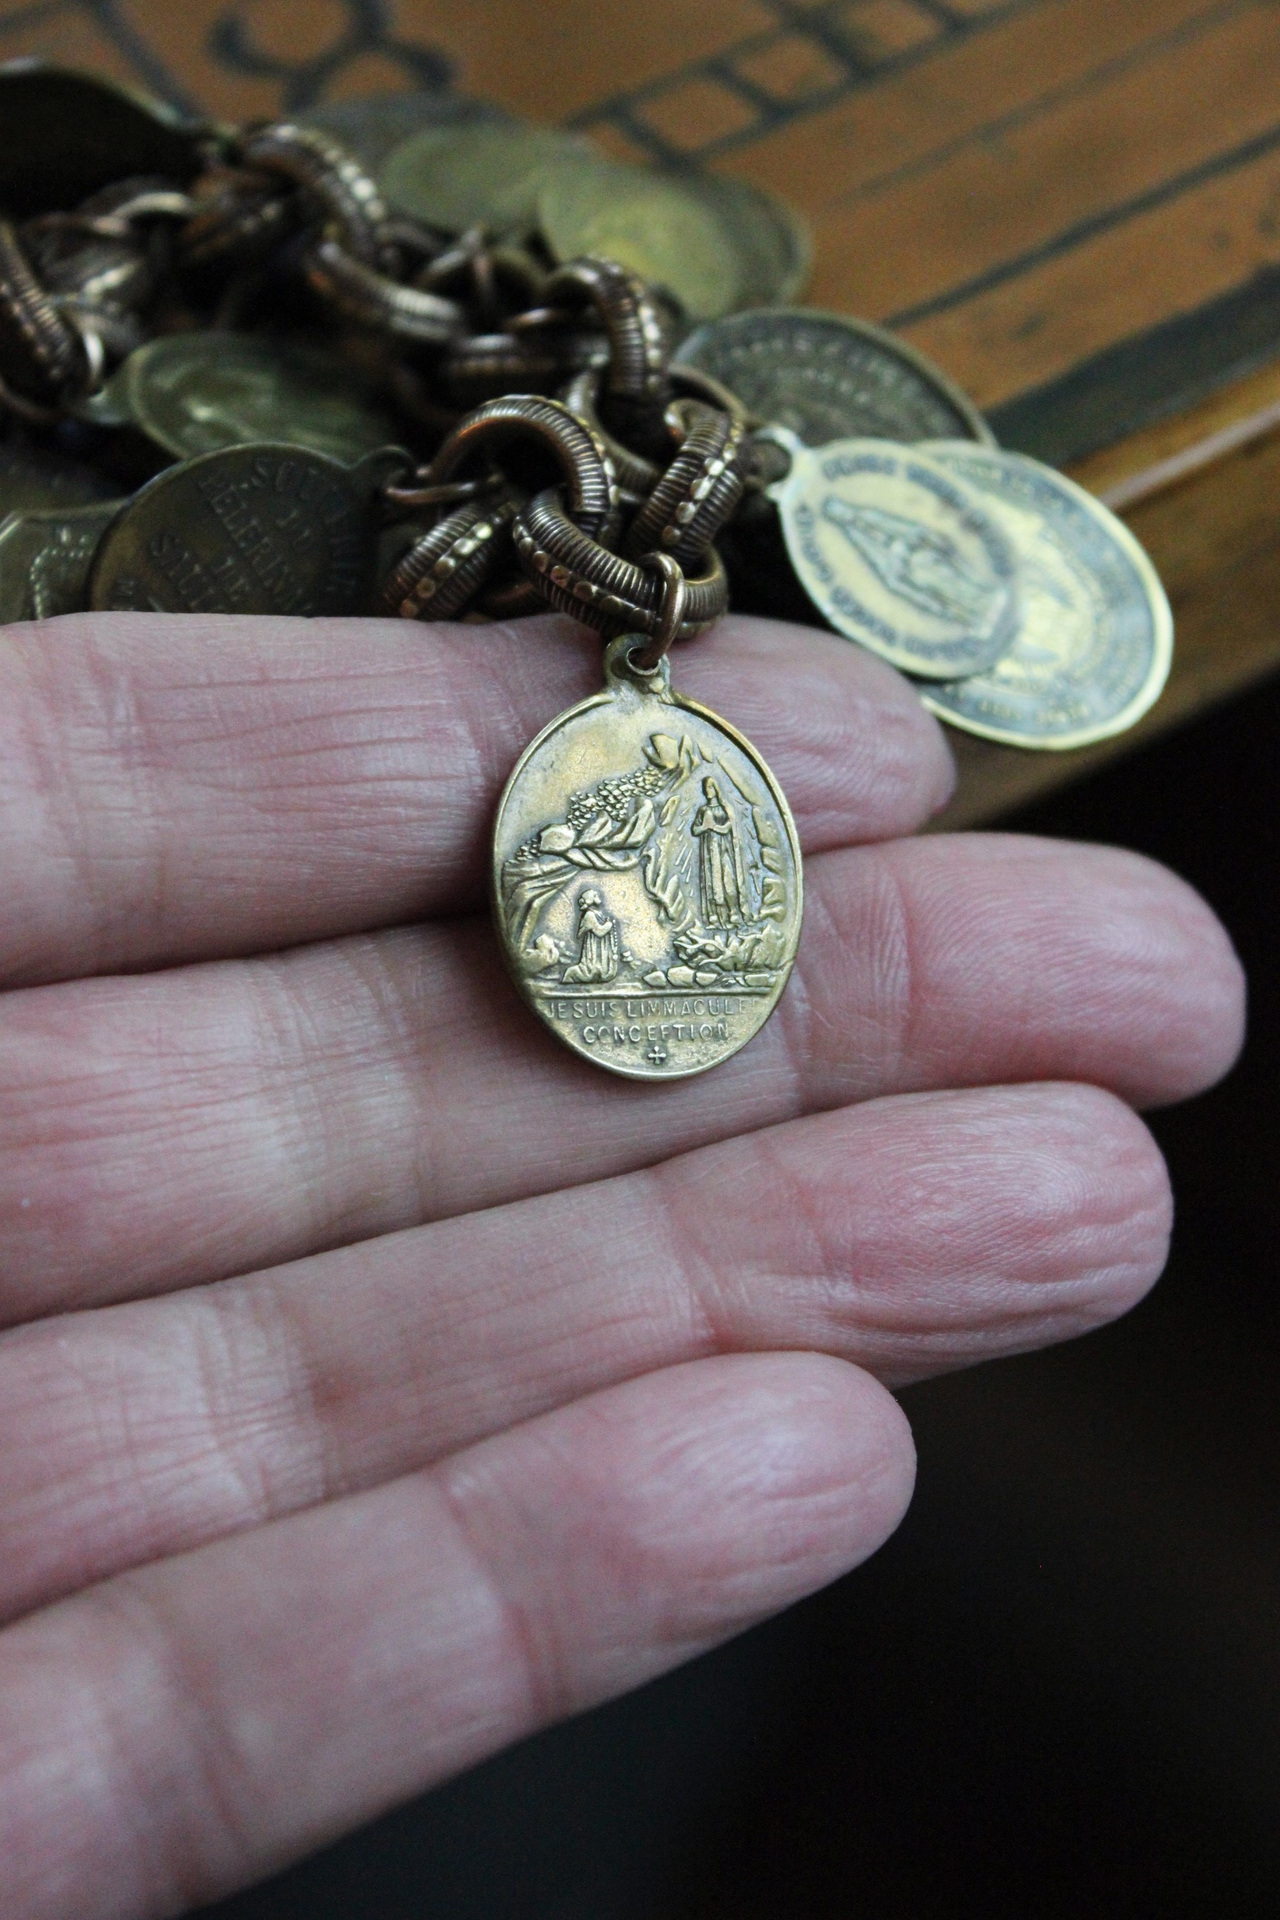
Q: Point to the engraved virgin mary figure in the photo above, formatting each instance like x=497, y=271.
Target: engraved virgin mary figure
x=721, y=881
x=597, y=962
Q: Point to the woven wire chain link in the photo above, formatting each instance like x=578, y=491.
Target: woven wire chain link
x=457, y=320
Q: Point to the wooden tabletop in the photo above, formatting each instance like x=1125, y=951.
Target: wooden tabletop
x=1074, y=205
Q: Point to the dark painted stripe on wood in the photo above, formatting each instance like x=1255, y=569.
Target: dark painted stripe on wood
x=1147, y=378
x=624, y=111
x=1218, y=167
x=1092, y=81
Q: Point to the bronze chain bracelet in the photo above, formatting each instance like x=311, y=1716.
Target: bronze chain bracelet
x=548, y=390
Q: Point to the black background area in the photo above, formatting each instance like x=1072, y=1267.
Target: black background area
x=1057, y=1691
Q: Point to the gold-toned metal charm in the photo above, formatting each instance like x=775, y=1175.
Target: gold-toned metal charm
x=646, y=877
x=1095, y=633
x=899, y=554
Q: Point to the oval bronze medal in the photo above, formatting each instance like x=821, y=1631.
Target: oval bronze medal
x=646, y=879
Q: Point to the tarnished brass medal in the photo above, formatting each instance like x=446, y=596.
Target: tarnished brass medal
x=194, y=393
x=646, y=878
x=254, y=529
x=900, y=555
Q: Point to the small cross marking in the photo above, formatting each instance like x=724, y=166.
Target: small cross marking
x=657, y=1054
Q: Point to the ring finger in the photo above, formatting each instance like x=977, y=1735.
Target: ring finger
x=908, y=1235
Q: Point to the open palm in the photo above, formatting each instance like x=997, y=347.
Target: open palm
x=383, y=1382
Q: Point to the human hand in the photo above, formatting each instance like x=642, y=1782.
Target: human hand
x=389, y=1381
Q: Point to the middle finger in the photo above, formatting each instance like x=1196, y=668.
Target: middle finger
x=175, y=1129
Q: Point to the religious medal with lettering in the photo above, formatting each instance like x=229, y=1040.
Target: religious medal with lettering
x=646, y=878
x=900, y=554
x=252, y=529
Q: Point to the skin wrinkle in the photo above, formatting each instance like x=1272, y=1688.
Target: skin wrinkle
x=279, y=1460
x=613, y=1600
x=44, y=1751
x=402, y=1004
x=202, y=1767
x=113, y=1831
x=830, y=756
x=892, y=947
x=688, y=1257
x=301, y=1118
x=538, y=1658
x=42, y=747
x=618, y=1535
x=228, y=1120
x=352, y=1389
x=218, y=777
x=314, y=1400
x=118, y=1476
x=353, y=1651
x=122, y=750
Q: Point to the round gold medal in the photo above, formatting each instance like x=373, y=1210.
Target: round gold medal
x=646, y=879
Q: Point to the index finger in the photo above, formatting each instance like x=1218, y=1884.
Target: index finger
x=179, y=788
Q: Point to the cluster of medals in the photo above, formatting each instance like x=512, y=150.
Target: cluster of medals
x=410, y=357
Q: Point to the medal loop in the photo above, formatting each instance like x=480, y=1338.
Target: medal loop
x=702, y=386
x=675, y=600
x=450, y=493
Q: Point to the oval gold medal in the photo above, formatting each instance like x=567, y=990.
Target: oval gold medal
x=647, y=879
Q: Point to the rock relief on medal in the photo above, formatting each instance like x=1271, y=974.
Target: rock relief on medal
x=669, y=876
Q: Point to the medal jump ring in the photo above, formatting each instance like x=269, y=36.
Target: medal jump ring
x=697, y=385
x=675, y=601
x=450, y=493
